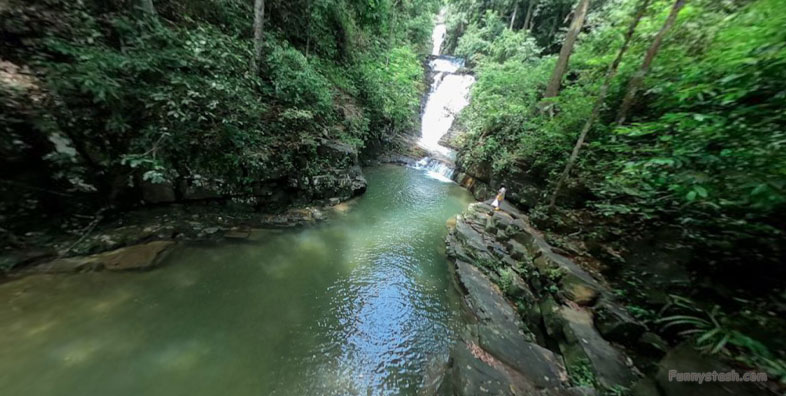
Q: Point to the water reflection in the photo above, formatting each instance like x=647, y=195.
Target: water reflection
x=359, y=305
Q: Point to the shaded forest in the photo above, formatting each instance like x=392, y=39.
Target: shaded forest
x=641, y=132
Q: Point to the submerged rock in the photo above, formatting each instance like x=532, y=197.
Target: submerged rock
x=137, y=257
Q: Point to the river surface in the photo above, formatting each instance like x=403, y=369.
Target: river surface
x=361, y=304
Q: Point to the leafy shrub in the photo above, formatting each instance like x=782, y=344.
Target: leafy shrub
x=704, y=151
x=295, y=82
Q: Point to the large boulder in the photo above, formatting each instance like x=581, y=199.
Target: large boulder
x=615, y=323
x=486, y=302
x=588, y=357
x=337, y=152
x=473, y=372
x=154, y=193
x=502, y=334
x=576, y=284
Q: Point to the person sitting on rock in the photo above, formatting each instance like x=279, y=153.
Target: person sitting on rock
x=500, y=197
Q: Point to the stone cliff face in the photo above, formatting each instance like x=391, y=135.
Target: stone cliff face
x=337, y=178
x=543, y=325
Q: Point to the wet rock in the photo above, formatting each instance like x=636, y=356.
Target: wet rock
x=485, y=300
x=502, y=220
x=474, y=241
x=576, y=284
x=490, y=226
x=615, y=324
x=237, y=234
x=517, y=250
x=19, y=258
x=577, y=289
x=645, y=387
x=451, y=223
x=501, y=332
x=293, y=217
x=541, y=367
x=519, y=289
x=650, y=344
x=502, y=235
x=455, y=250
x=584, y=349
x=200, y=190
x=337, y=151
x=510, y=262
x=158, y=192
x=137, y=257
x=480, y=207
x=474, y=374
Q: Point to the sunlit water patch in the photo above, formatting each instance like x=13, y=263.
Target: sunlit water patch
x=359, y=305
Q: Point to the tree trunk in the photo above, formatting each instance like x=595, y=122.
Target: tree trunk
x=513, y=17
x=147, y=7
x=259, y=19
x=528, y=17
x=604, y=89
x=567, y=47
x=638, y=78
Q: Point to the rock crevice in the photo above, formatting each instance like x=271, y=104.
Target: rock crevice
x=535, y=328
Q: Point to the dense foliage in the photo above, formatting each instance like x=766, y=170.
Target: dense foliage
x=110, y=97
x=705, y=148
x=700, y=163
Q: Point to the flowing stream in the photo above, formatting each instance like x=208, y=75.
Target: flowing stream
x=361, y=304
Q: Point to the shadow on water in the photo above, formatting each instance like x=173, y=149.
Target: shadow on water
x=357, y=305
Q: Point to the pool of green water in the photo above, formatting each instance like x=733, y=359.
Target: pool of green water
x=361, y=305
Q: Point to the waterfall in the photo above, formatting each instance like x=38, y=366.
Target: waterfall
x=439, y=33
x=448, y=94
x=436, y=169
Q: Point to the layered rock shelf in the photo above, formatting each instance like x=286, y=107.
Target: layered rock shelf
x=541, y=325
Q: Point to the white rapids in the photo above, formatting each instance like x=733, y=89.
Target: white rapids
x=448, y=95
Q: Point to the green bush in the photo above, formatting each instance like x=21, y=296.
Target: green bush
x=705, y=149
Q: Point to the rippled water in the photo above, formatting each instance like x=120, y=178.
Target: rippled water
x=359, y=305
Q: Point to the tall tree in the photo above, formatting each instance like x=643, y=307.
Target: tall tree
x=638, y=79
x=147, y=7
x=604, y=89
x=259, y=19
x=513, y=17
x=528, y=18
x=567, y=48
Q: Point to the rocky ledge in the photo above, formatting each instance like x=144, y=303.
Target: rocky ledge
x=140, y=240
x=542, y=325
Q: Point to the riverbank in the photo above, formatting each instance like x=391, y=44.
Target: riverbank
x=85, y=243
x=356, y=304
x=543, y=324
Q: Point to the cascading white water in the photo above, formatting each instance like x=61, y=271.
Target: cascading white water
x=448, y=95
x=439, y=33
x=436, y=169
